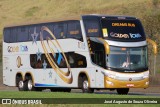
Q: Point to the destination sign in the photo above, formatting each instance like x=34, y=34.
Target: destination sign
x=124, y=24
x=122, y=30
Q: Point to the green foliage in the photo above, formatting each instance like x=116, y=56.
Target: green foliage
x=31, y=11
x=29, y=94
x=156, y=2
x=17, y=94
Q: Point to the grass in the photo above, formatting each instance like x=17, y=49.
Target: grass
x=9, y=94
x=85, y=105
x=31, y=11
x=15, y=94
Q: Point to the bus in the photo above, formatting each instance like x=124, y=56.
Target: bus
x=93, y=52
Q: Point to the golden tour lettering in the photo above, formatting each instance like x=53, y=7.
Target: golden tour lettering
x=20, y=48
x=124, y=24
x=119, y=35
x=130, y=35
x=13, y=49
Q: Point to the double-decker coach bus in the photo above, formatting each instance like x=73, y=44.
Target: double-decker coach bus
x=95, y=52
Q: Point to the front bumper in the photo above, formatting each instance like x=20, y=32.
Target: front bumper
x=113, y=83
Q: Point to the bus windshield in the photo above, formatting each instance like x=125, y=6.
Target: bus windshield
x=129, y=59
x=122, y=30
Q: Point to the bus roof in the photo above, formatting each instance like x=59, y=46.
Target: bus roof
x=107, y=16
x=44, y=21
x=69, y=19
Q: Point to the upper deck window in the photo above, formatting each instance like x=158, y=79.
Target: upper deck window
x=13, y=35
x=92, y=27
x=74, y=30
x=7, y=33
x=22, y=34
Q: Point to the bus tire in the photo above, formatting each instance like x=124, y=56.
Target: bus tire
x=28, y=84
x=20, y=84
x=122, y=91
x=85, y=86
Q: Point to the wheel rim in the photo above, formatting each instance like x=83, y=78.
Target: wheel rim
x=30, y=85
x=20, y=84
x=85, y=85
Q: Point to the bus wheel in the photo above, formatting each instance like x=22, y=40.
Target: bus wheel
x=122, y=91
x=28, y=84
x=21, y=85
x=85, y=86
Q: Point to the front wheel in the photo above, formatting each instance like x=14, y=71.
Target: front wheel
x=122, y=91
x=85, y=86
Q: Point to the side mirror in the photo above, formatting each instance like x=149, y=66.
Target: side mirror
x=153, y=44
x=106, y=45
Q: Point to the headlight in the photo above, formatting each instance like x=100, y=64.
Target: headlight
x=110, y=74
x=146, y=74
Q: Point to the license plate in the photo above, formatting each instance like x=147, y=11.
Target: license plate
x=130, y=85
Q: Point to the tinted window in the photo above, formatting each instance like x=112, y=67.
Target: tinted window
x=92, y=27
x=75, y=60
x=60, y=30
x=22, y=35
x=74, y=30
x=13, y=35
x=6, y=35
x=45, y=33
x=34, y=32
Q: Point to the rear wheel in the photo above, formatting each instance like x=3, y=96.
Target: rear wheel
x=122, y=91
x=20, y=85
x=85, y=86
x=28, y=84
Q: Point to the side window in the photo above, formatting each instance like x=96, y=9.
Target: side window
x=76, y=60
x=6, y=34
x=92, y=28
x=13, y=36
x=37, y=63
x=46, y=34
x=34, y=32
x=74, y=30
x=22, y=35
x=60, y=30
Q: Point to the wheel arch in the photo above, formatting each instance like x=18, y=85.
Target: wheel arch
x=82, y=74
x=29, y=74
x=18, y=74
